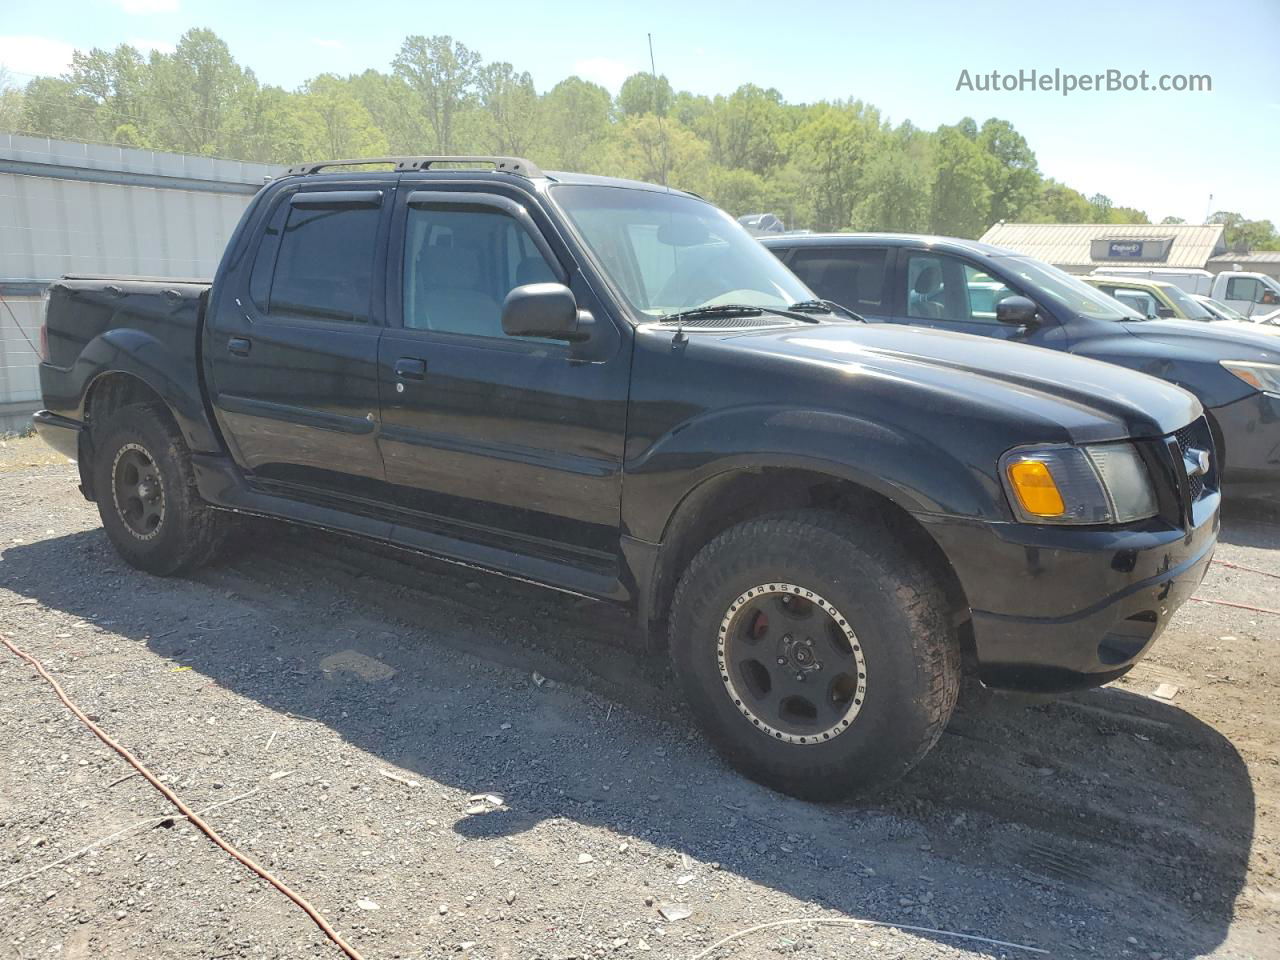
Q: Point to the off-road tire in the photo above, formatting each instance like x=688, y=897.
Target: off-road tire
x=189, y=532
x=893, y=604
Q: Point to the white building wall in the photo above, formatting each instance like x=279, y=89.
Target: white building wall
x=95, y=209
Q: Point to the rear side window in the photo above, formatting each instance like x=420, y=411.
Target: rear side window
x=853, y=277
x=324, y=268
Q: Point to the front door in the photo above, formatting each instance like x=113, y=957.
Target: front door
x=498, y=440
x=293, y=348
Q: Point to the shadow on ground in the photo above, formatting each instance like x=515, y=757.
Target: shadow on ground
x=1111, y=807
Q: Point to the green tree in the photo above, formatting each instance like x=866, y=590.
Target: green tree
x=1243, y=234
x=510, y=105
x=896, y=188
x=641, y=94
x=1058, y=203
x=1173, y=220
x=829, y=150
x=443, y=74
x=961, y=194
x=575, y=124
x=1016, y=176
x=647, y=147
x=335, y=124
x=196, y=98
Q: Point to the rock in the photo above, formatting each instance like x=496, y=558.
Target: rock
x=687, y=878
x=671, y=912
x=648, y=901
x=367, y=905
x=586, y=858
x=1132, y=941
x=510, y=897
x=444, y=908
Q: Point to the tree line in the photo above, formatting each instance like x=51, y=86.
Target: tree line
x=831, y=165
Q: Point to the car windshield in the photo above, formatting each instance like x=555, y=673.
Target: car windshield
x=1067, y=291
x=668, y=252
x=1191, y=308
x=1227, y=313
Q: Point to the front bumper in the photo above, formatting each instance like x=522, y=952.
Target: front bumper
x=1057, y=609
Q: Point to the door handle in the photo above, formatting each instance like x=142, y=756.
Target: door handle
x=239, y=346
x=411, y=368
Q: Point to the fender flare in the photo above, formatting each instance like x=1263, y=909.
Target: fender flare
x=174, y=378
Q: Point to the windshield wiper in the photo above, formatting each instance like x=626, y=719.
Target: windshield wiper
x=732, y=310
x=826, y=306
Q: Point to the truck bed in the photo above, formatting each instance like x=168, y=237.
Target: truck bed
x=146, y=326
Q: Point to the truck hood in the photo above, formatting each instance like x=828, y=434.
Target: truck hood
x=1086, y=399
x=1223, y=340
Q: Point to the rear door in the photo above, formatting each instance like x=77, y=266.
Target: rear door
x=512, y=442
x=293, y=350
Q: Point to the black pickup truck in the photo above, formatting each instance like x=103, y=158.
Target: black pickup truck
x=610, y=389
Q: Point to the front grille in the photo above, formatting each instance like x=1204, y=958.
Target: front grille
x=1197, y=436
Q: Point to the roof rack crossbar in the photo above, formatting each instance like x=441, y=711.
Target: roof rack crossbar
x=517, y=165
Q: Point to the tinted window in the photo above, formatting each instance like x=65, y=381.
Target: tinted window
x=851, y=276
x=264, y=262
x=460, y=264
x=325, y=266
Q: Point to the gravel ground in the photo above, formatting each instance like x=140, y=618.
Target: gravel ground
x=362, y=699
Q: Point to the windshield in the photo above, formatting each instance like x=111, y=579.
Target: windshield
x=1227, y=313
x=668, y=253
x=1188, y=305
x=1067, y=291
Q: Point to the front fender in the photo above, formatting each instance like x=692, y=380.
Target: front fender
x=173, y=374
x=911, y=470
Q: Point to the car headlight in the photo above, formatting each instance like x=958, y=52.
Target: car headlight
x=1261, y=376
x=1100, y=483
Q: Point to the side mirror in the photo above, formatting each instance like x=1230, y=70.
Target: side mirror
x=546, y=310
x=1165, y=313
x=1016, y=310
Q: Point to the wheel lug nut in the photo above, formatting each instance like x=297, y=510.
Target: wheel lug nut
x=782, y=661
x=800, y=677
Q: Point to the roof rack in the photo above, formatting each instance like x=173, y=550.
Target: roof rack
x=516, y=165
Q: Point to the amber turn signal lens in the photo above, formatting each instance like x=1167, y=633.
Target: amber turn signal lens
x=1035, y=489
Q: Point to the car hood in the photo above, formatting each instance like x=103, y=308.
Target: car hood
x=1086, y=399
x=1221, y=340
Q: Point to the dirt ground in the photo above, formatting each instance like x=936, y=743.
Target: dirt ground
x=343, y=704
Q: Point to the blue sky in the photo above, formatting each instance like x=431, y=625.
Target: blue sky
x=1162, y=152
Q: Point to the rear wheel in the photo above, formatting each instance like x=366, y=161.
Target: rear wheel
x=817, y=654
x=147, y=496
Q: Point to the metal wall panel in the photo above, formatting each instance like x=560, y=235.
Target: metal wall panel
x=69, y=207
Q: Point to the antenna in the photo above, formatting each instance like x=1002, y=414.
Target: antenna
x=1209, y=209
x=662, y=130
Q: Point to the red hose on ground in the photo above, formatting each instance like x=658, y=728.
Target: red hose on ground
x=187, y=812
x=1238, y=606
x=1240, y=566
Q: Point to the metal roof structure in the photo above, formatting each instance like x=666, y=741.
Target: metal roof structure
x=1110, y=244
x=1258, y=256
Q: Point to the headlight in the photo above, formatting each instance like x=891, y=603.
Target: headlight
x=1102, y=483
x=1261, y=376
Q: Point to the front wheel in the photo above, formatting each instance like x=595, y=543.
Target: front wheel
x=146, y=493
x=817, y=653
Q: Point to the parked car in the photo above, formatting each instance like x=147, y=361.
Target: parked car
x=1154, y=299
x=924, y=281
x=612, y=390
x=1252, y=294
x=1220, y=310
x=1191, y=280
x=762, y=224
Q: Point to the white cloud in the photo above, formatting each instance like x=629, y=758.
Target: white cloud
x=328, y=44
x=137, y=7
x=28, y=56
x=608, y=73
